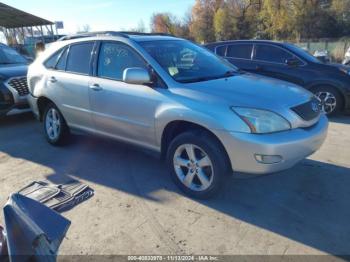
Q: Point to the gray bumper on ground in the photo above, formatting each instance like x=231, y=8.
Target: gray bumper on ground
x=289, y=147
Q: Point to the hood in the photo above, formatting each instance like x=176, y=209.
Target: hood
x=341, y=67
x=12, y=70
x=248, y=90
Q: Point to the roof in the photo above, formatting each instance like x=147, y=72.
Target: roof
x=134, y=35
x=11, y=17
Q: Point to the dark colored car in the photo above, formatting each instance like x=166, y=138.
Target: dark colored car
x=13, y=81
x=329, y=82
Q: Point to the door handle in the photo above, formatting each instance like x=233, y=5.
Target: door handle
x=53, y=79
x=96, y=87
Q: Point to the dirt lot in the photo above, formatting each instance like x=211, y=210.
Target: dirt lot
x=136, y=208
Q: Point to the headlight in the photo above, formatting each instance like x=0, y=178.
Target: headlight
x=262, y=121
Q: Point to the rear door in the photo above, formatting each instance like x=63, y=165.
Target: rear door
x=270, y=60
x=69, y=82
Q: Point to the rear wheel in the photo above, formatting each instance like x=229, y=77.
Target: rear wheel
x=55, y=127
x=197, y=163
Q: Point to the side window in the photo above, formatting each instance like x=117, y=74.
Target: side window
x=114, y=58
x=79, y=58
x=271, y=54
x=61, y=65
x=52, y=61
x=220, y=50
x=240, y=51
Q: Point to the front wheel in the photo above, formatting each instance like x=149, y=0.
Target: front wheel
x=55, y=127
x=197, y=163
x=331, y=100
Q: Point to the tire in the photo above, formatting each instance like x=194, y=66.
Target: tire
x=55, y=127
x=331, y=100
x=199, y=144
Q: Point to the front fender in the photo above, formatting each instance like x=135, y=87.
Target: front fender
x=209, y=120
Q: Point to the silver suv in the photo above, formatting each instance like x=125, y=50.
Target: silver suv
x=204, y=116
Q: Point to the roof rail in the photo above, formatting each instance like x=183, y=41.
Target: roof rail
x=91, y=34
x=141, y=33
x=125, y=34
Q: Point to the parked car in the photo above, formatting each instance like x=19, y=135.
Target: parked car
x=13, y=81
x=174, y=97
x=329, y=82
x=346, y=60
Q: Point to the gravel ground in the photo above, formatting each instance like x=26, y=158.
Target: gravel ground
x=136, y=208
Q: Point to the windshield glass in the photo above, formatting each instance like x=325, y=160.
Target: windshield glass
x=186, y=62
x=10, y=56
x=303, y=53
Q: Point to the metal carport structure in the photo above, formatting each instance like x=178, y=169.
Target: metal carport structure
x=16, y=24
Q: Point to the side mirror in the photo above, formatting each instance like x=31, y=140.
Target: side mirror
x=136, y=76
x=292, y=62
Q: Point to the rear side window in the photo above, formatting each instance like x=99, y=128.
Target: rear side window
x=114, y=58
x=61, y=65
x=243, y=51
x=79, y=58
x=52, y=61
x=272, y=54
x=220, y=50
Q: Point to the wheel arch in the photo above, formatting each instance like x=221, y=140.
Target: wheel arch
x=42, y=102
x=176, y=127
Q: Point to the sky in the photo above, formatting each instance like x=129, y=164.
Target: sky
x=100, y=14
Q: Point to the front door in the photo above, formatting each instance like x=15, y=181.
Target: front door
x=120, y=110
x=270, y=60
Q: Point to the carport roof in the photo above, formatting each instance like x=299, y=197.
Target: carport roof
x=11, y=17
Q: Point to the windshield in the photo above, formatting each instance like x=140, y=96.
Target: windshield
x=186, y=62
x=303, y=53
x=10, y=56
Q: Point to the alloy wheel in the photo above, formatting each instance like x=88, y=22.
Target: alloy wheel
x=193, y=167
x=53, y=124
x=328, y=101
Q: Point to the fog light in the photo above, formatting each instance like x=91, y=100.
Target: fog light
x=266, y=159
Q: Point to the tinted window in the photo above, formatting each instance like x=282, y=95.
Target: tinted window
x=240, y=51
x=114, y=58
x=220, y=50
x=52, y=61
x=79, y=58
x=61, y=65
x=271, y=54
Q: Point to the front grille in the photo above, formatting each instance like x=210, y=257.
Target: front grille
x=20, y=85
x=309, y=110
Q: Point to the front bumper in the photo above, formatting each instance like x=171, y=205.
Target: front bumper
x=292, y=146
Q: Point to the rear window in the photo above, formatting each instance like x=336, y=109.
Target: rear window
x=61, y=65
x=240, y=51
x=220, y=50
x=79, y=58
x=52, y=61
